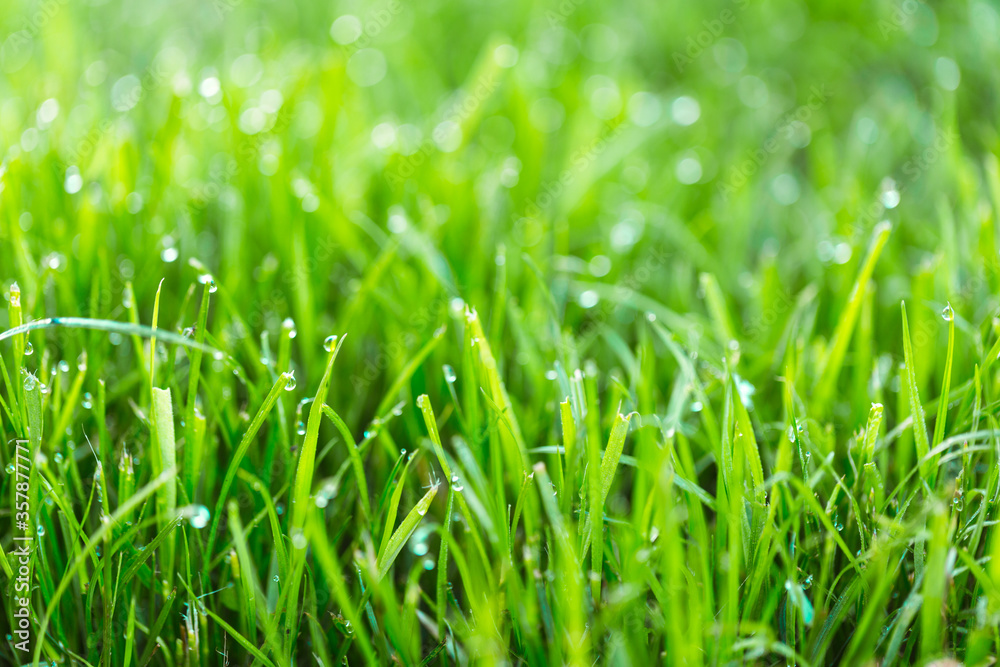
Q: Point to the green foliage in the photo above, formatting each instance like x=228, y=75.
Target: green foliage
x=565, y=334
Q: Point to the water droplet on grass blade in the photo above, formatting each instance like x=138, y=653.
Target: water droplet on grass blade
x=290, y=383
x=456, y=483
x=289, y=327
x=30, y=382
x=947, y=313
x=28, y=349
x=207, y=279
x=329, y=343
x=299, y=541
x=197, y=515
x=300, y=428
x=63, y=366
x=449, y=374
x=10, y=468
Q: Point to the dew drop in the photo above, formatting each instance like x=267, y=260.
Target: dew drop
x=947, y=313
x=276, y=578
x=30, y=382
x=449, y=374
x=81, y=362
x=329, y=343
x=290, y=383
x=58, y=457
x=207, y=279
x=299, y=541
x=300, y=428
x=10, y=468
x=28, y=349
x=289, y=326
x=41, y=530
x=197, y=515
x=456, y=483
x=63, y=366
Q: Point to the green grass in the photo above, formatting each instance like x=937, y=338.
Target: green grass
x=575, y=334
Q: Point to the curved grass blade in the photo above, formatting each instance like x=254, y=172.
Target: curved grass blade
x=154, y=632
x=409, y=370
x=849, y=317
x=240, y=452
x=928, y=468
x=942, y=413
x=110, y=326
x=402, y=534
x=355, y=456
x=307, y=458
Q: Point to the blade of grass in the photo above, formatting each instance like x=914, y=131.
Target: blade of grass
x=237, y=459
x=928, y=468
x=848, y=318
x=399, y=538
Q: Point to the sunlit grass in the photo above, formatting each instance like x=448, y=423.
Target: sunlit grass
x=442, y=334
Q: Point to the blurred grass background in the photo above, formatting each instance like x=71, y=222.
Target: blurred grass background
x=371, y=168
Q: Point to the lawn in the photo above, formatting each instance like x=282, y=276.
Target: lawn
x=444, y=333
